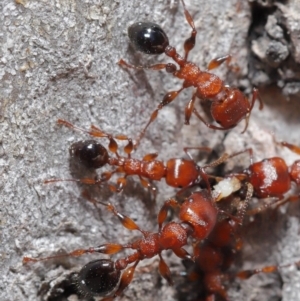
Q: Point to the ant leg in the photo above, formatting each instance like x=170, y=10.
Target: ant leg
x=150, y=157
x=108, y=249
x=163, y=212
x=247, y=150
x=183, y=254
x=121, y=182
x=294, y=148
x=215, y=163
x=94, y=131
x=147, y=185
x=292, y=198
x=215, y=63
x=189, y=109
x=126, y=276
x=246, y=274
x=164, y=270
x=200, y=148
x=209, y=125
x=105, y=176
x=168, y=98
x=126, y=221
x=98, y=133
x=191, y=41
x=170, y=68
x=255, y=96
x=242, y=210
x=276, y=204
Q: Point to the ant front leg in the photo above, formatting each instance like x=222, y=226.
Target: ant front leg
x=98, y=133
x=104, y=177
x=169, y=67
x=108, y=249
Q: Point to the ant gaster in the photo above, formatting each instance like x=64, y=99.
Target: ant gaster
x=228, y=105
x=198, y=216
x=178, y=172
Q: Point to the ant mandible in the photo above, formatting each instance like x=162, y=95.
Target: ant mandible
x=198, y=216
x=228, y=105
x=178, y=172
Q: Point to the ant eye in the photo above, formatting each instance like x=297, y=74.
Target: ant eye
x=90, y=153
x=98, y=277
x=148, y=37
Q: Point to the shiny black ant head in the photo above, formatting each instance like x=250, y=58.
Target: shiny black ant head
x=90, y=153
x=98, y=278
x=148, y=37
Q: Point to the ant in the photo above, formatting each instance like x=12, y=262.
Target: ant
x=214, y=257
x=228, y=106
x=178, y=172
x=271, y=177
x=198, y=216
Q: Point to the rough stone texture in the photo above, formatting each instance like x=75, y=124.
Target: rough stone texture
x=274, y=39
x=58, y=60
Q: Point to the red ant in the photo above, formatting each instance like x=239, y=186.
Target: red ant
x=179, y=173
x=213, y=258
x=228, y=105
x=271, y=177
x=198, y=216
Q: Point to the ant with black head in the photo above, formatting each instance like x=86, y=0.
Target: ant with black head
x=177, y=172
x=228, y=106
x=198, y=215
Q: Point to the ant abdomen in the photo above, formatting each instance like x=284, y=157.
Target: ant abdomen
x=99, y=277
x=269, y=177
x=181, y=172
x=90, y=153
x=148, y=37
